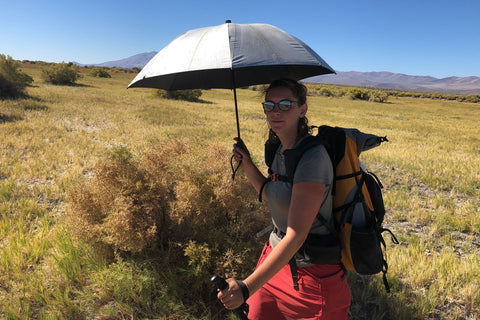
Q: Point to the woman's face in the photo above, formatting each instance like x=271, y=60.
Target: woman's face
x=284, y=122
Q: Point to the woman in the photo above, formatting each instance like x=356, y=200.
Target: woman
x=323, y=292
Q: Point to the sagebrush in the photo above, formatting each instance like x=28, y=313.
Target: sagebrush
x=100, y=72
x=187, y=95
x=12, y=80
x=61, y=73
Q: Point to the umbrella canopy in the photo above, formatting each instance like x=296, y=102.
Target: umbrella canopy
x=229, y=56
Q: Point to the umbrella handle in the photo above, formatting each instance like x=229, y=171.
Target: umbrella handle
x=242, y=146
x=234, y=170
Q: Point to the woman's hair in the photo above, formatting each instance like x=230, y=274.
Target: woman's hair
x=298, y=89
x=300, y=92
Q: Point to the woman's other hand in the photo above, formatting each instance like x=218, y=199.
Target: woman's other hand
x=232, y=298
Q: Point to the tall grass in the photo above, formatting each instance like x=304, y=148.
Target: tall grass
x=55, y=142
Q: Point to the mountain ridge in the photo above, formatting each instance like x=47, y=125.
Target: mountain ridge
x=400, y=81
x=373, y=79
x=136, y=61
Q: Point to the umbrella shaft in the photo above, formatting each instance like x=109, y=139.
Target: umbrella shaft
x=236, y=105
x=236, y=111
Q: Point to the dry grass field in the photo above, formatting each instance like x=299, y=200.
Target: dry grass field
x=58, y=139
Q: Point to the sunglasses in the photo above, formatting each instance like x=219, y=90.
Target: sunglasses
x=283, y=105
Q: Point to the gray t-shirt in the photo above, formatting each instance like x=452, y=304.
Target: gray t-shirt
x=314, y=166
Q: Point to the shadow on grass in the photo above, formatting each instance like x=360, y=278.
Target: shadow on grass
x=9, y=118
x=204, y=101
x=79, y=85
x=26, y=102
x=370, y=301
x=18, y=104
x=193, y=100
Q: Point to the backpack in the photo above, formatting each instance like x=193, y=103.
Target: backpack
x=358, y=207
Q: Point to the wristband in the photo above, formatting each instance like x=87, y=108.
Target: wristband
x=244, y=288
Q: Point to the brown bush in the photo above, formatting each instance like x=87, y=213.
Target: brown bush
x=177, y=193
x=119, y=206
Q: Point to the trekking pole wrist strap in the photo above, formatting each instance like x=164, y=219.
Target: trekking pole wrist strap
x=244, y=288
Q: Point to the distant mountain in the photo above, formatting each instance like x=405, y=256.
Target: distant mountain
x=387, y=80
x=465, y=85
x=138, y=60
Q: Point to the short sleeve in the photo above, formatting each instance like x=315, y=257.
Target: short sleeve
x=314, y=166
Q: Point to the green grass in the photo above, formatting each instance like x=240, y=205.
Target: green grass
x=57, y=136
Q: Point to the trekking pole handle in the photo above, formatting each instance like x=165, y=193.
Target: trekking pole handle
x=219, y=282
x=242, y=311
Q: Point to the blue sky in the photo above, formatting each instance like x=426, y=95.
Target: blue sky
x=417, y=37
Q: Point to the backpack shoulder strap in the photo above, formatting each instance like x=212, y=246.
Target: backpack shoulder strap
x=270, y=150
x=293, y=156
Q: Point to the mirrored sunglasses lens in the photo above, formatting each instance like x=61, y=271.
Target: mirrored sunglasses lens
x=284, y=105
x=268, y=106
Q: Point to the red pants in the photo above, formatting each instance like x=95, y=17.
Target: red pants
x=324, y=294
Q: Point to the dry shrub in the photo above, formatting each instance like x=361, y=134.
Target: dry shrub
x=208, y=202
x=121, y=206
x=219, y=214
x=192, y=95
x=12, y=81
x=180, y=193
x=61, y=73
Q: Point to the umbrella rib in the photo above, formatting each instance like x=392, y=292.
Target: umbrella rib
x=264, y=40
x=194, y=51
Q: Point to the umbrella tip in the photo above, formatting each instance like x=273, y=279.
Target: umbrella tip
x=228, y=21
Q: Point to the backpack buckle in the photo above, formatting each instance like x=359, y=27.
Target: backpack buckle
x=275, y=177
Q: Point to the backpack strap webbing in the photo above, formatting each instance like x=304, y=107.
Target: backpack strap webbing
x=294, y=271
x=292, y=262
x=385, y=264
x=272, y=177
